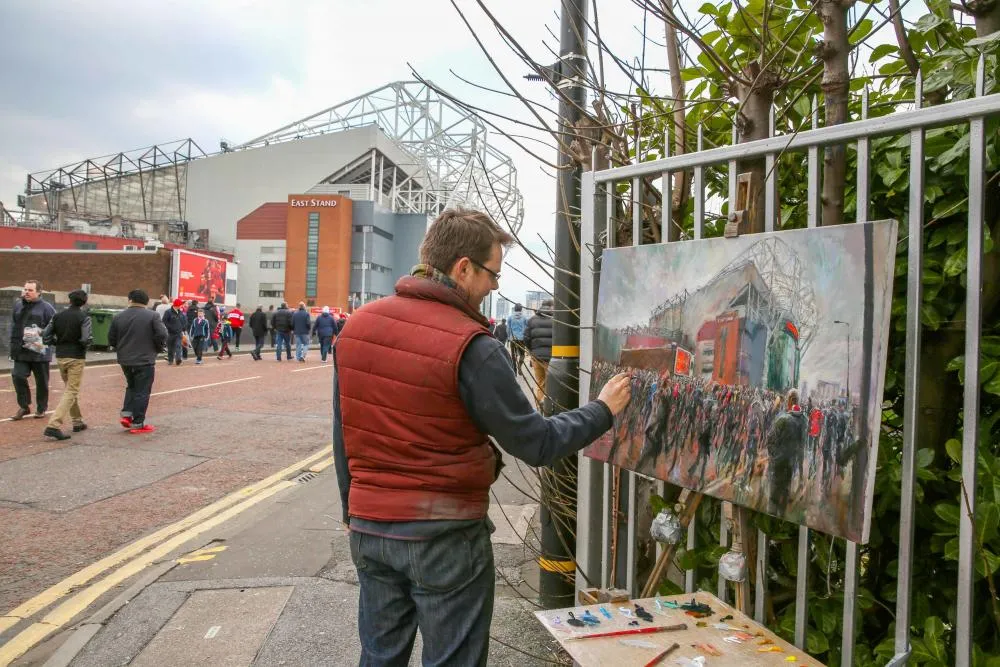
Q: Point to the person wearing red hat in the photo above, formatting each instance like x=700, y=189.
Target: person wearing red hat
x=176, y=323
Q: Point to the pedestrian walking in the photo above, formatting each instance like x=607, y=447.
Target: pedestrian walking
x=516, y=324
x=270, y=324
x=137, y=336
x=301, y=328
x=224, y=334
x=325, y=328
x=258, y=326
x=282, y=323
x=212, y=315
x=415, y=466
x=538, y=341
x=163, y=305
x=199, y=333
x=175, y=322
x=30, y=354
x=500, y=333
x=70, y=331
x=236, y=321
x=784, y=442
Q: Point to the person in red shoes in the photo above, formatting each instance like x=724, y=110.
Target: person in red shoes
x=236, y=322
x=138, y=336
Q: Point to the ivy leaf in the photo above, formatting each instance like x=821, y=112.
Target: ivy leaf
x=956, y=364
x=947, y=512
x=937, y=80
x=960, y=148
x=925, y=457
x=993, y=386
x=930, y=317
x=987, y=521
x=951, y=549
x=881, y=51
x=954, y=449
x=688, y=560
x=982, y=41
x=956, y=263
x=933, y=629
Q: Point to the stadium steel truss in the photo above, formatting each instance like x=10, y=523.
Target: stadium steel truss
x=453, y=163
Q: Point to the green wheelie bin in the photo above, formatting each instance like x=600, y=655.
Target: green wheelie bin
x=100, y=321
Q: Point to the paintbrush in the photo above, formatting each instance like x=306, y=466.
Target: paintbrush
x=659, y=658
x=634, y=631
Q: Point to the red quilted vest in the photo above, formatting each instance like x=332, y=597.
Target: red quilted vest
x=413, y=451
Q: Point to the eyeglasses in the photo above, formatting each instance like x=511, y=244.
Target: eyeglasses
x=496, y=276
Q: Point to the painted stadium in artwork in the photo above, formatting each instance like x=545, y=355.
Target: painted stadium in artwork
x=758, y=365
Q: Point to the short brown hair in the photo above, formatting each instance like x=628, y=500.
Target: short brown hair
x=38, y=284
x=458, y=233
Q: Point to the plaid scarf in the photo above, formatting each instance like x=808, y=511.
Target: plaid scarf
x=430, y=273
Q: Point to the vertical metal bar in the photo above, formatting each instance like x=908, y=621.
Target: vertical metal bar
x=851, y=563
x=802, y=588
x=608, y=526
x=970, y=434
x=733, y=175
x=723, y=590
x=812, y=192
x=911, y=387
x=691, y=544
x=589, y=477
x=771, y=181
x=699, y=191
x=667, y=230
x=760, y=597
x=630, y=541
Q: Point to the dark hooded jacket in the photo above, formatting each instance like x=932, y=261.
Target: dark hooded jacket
x=538, y=335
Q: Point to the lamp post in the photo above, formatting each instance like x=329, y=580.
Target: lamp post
x=848, y=359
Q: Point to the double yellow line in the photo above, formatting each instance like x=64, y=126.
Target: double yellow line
x=135, y=558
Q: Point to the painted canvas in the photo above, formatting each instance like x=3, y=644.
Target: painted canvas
x=757, y=367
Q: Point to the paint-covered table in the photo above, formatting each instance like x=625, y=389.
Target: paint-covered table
x=737, y=641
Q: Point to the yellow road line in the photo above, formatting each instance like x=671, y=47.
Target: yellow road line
x=53, y=593
x=64, y=613
x=322, y=465
x=203, y=386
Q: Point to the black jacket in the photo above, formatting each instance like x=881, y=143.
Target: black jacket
x=192, y=315
x=70, y=331
x=212, y=314
x=138, y=335
x=500, y=333
x=175, y=322
x=27, y=313
x=258, y=323
x=538, y=335
x=282, y=320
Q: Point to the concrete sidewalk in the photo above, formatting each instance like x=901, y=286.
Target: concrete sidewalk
x=276, y=586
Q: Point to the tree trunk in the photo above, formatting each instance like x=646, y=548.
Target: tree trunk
x=681, y=190
x=752, y=124
x=905, y=50
x=834, y=50
x=987, y=15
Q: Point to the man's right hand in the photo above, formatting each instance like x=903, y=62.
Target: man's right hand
x=617, y=392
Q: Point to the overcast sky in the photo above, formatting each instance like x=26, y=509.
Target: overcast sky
x=86, y=79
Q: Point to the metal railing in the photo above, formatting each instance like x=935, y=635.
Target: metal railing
x=594, y=508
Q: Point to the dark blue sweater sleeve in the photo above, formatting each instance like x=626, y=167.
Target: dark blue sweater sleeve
x=500, y=408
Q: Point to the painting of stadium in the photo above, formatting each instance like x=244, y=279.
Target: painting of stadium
x=757, y=367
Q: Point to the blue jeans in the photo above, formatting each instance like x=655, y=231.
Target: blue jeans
x=174, y=347
x=283, y=339
x=301, y=345
x=444, y=586
x=324, y=346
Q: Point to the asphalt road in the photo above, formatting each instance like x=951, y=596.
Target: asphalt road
x=219, y=427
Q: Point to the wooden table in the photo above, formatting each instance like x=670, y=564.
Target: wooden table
x=749, y=645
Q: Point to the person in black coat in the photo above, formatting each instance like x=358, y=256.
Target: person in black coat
x=176, y=324
x=258, y=325
x=538, y=340
x=282, y=324
x=30, y=314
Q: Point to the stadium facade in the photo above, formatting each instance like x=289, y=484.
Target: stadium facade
x=329, y=209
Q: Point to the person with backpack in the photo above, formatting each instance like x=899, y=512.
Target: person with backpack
x=199, y=333
x=223, y=333
x=70, y=331
x=538, y=341
x=516, y=324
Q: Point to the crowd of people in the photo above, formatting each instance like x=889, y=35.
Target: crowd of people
x=139, y=335
x=692, y=431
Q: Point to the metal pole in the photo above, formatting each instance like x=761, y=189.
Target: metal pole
x=562, y=382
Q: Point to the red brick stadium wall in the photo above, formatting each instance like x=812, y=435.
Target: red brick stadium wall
x=111, y=272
